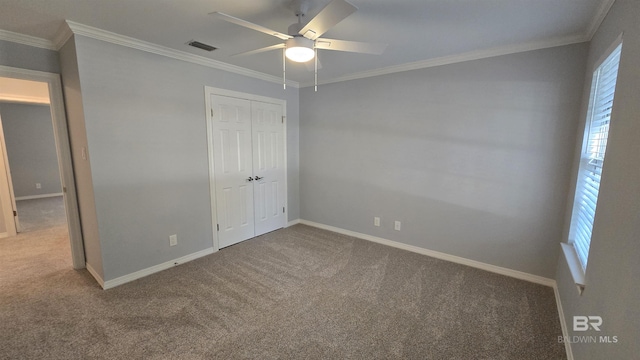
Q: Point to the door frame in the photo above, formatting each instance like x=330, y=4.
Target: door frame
x=208, y=92
x=63, y=150
x=6, y=189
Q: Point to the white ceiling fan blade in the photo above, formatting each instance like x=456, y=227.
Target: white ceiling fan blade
x=351, y=46
x=333, y=13
x=262, y=29
x=257, y=51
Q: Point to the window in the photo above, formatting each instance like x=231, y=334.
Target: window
x=592, y=158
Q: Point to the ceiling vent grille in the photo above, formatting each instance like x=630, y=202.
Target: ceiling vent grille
x=199, y=45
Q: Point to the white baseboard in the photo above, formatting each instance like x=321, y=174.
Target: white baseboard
x=563, y=323
x=293, y=222
x=439, y=255
x=41, y=196
x=154, y=269
x=95, y=274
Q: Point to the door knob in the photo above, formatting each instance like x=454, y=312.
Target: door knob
x=250, y=178
x=259, y=178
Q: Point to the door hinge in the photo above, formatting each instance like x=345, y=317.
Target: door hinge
x=218, y=227
x=64, y=189
x=283, y=209
x=211, y=112
x=283, y=119
x=15, y=213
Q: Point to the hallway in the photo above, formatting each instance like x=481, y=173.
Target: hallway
x=39, y=214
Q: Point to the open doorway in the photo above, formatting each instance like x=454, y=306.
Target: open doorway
x=37, y=187
x=30, y=160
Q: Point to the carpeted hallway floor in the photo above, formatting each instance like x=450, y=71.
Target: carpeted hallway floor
x=39, y=214
x=297, y=293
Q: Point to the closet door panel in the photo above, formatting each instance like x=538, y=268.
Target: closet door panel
x=268, y=166
x=233, y=169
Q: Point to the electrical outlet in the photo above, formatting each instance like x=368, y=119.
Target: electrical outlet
x=376, y=221
x=173, y=240
x=397, y=225
x=38, y=186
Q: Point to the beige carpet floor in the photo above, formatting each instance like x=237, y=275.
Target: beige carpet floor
x=297, y=293
x=39, y=214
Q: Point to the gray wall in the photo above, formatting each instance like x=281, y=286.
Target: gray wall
x=473, y=158
x=28, y=57
x=81, y=167
x=146, y=130
x=612, y=290
x=31, y=149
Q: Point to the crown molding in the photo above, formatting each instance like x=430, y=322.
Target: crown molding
x=598, y=18
x=26, y=40
x=62, y=36
x=69, y=28
x=453, y=59
x=103, y=35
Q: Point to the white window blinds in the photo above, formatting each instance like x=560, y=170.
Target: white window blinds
x=592, y=158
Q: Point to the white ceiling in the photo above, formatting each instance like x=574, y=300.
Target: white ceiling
x=416, y=30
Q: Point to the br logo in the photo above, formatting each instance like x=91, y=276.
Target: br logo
x=583, y=323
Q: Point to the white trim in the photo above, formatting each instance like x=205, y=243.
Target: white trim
x=95, y=275
x=575, y=267
x=453, y=59
x=4, y=235
x=606, y=54
x=210, y=158
x=208, y=92
x=103, y=35
x=24, y=99
x=563, y=322
x=293, y=222
x=438, y=255
x=154, y=269
x=26, y=40
x=41, y=196
x=7, y=198
x=598, y=18
x=62, y=36
x=63, y=151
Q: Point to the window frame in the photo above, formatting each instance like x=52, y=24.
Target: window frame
x=576, y=265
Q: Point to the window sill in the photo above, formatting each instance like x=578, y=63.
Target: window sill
x=574, y=266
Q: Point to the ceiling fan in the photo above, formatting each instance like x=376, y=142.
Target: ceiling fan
x=301, y=44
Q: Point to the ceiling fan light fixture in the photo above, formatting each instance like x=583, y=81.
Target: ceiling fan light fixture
x=299, y=49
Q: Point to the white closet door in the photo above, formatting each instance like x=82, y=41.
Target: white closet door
x=268, y=166
x=233, y=169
